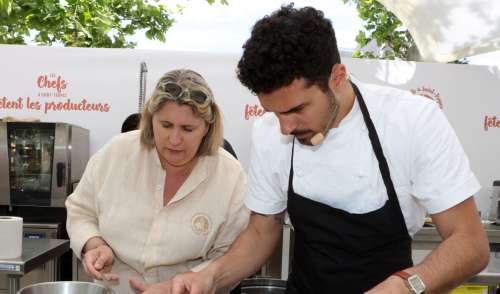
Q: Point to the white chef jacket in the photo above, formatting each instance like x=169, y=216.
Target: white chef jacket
x=428, y=166
x=120, y=198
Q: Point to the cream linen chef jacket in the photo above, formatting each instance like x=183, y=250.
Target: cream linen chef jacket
x=120, y=198
x=428, y=166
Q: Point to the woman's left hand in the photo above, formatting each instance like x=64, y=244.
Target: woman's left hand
x=157, y=288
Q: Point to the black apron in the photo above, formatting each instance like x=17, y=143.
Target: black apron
x=340, y=252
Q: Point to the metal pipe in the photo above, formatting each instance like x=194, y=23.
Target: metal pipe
x=485, y=279
x=142, y=85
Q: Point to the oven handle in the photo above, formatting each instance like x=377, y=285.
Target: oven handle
x=61, y=171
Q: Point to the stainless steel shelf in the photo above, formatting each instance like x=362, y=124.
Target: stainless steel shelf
x=36, y=252
x=490, y=279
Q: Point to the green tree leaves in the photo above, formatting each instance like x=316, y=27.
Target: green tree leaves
x=5, y=7
x=386, y=30
x=84, y=23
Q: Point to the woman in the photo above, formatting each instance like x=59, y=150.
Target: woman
x=162, y=200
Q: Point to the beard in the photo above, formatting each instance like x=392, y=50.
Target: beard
x=304, y=136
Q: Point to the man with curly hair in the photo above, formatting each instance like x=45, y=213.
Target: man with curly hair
x=356, y=167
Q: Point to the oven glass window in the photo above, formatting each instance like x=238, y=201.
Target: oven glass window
x=31, y=152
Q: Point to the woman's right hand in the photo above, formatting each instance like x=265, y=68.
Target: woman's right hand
x=98, y=261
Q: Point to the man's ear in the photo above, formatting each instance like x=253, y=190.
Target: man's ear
x=338, y=76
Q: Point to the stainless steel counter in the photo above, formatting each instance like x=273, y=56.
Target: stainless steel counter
x=35, y=253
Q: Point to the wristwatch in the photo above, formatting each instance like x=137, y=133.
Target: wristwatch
x=413, y=282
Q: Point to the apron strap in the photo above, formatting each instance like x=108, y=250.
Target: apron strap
x=379, y=153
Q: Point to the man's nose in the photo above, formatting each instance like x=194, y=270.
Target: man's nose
x=287, y=124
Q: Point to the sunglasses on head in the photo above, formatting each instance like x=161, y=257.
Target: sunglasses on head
x=177, y=92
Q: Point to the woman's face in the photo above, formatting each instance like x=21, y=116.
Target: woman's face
x=178, y=134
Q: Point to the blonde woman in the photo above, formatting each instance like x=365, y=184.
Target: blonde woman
x=162, y=200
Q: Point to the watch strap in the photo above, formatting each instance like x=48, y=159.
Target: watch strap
x=402, y=274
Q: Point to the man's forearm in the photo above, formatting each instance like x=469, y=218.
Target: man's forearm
x=250, y=250
x=463, y=252
x=453, y=261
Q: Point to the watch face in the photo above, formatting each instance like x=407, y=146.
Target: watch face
x=416, y=284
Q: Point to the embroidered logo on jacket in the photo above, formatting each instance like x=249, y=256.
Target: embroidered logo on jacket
x=200, y=223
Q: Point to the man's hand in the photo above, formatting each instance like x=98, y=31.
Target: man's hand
x=97, y=263
x=187, y=283
x=194, y=283
x=157, y=288
x=391, y=285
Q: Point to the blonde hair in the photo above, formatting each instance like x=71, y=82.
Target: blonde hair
x=208, y=111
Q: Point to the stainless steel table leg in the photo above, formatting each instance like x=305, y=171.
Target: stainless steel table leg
x=285, y=253
x=13, y=284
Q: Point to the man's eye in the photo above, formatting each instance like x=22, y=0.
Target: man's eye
x=294, y=110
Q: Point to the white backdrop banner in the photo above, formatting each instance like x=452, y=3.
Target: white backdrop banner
x=98, y=88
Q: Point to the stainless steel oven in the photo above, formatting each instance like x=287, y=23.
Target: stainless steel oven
x=40, y=162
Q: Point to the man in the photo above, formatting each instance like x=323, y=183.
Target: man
x=356, y=167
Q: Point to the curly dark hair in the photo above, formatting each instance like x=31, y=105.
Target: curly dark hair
x=290, y=43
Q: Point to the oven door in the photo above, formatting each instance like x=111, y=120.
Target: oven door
x=30, y=148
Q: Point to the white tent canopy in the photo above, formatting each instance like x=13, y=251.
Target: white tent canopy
x=447, y=30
